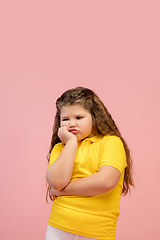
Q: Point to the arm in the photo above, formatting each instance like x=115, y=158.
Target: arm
x=98, y=183
x=60, y=172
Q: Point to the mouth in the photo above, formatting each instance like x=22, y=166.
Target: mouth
x=73, y=131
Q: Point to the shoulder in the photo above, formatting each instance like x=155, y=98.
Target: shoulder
x=113, y=153
x=108, y=142
x=111, y=137
x=112, y=145
x=111, y=140
x=100, y=140
x=58, y=147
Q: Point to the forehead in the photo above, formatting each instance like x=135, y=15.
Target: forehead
x=73, y=109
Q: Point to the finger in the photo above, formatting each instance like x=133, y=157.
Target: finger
x=64, y=126
x=50, y=192
x=52, y=198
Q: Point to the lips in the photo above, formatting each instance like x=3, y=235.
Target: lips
x=73, y=131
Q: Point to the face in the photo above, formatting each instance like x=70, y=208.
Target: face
x=78, y=121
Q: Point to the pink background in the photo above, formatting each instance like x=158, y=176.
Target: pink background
x=47, y=47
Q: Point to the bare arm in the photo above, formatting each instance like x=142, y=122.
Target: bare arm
x=98, y=183
x=60, y=172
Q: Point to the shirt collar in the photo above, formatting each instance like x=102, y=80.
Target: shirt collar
x=96, y=138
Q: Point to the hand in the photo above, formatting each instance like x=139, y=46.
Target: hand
x=54, y=193
x=65, y=135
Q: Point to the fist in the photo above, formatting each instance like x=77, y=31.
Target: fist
x=65, y=135
x=54, y=193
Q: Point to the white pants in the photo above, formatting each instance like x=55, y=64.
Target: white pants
x=57, y=234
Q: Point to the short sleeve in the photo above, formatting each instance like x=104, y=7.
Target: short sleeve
x=113, y=153
x=57, y=149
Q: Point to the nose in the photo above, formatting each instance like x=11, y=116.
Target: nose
x=72, y=123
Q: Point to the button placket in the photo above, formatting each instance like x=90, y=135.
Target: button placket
x=84, y=147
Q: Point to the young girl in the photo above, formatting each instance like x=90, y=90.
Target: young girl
x=89, y=167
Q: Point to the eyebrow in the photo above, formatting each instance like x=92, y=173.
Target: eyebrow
x=66, y=116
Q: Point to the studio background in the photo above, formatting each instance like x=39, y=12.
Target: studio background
x=47, y=47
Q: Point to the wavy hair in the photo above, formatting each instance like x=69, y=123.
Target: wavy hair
x=102, y=122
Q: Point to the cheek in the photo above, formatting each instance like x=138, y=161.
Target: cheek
x=62, y=124
x=88, y=124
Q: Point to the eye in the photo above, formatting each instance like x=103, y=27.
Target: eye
x=79, y=117
x=65, y=119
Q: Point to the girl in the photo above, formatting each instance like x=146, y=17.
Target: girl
x=89, y=167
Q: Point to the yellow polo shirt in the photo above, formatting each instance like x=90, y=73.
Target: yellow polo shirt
x=96, y=216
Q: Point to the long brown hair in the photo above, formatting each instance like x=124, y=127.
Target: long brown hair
x=102, y=122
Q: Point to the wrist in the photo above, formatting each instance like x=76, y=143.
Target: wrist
x=72, y=141
x=65, y=191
